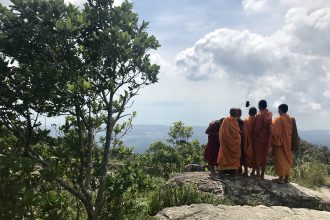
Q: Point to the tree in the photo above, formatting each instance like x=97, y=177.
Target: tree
x=86, y=64
x=165, y=158
x=179, y=132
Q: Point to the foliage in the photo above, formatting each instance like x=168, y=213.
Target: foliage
x=169, y=196
x=86, y=63
x=310, y=174
x=180, y=133
x=135, y=184
x=24, y=192
x=311, y=165
x=163, y=158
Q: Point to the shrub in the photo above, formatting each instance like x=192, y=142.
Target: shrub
x=310, y=174
x=169, y=196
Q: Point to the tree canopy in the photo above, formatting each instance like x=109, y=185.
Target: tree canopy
x=82, y=63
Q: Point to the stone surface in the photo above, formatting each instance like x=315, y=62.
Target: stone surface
x=253, y=191
x=207, y=211
x=195, y=167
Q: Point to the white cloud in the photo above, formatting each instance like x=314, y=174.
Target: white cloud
x=287, y=65
x=327, y=81
x=255, y=6
x=309, y=30
x=226, y=51
x=118, y=2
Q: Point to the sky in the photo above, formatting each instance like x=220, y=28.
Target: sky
x=218, y=54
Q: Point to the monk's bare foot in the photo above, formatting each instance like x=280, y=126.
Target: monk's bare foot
x=286, y=179
x=279, y=181
x=257, y=176
x=221, y=174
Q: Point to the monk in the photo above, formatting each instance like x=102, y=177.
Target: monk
x=248, y=143
x=261, y=137
x=241, y=132
x=213, y=144
x=281, y=144
x=230, y=144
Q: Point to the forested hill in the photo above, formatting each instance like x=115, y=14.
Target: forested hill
x=140, y=136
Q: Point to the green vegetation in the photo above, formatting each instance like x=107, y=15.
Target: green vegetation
x=170, y=196
x=87, y=64
x=165, y=158
x=135, y=183
x=311, y=166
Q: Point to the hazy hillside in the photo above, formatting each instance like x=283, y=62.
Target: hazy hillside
x=142, y=135
x=319, y=137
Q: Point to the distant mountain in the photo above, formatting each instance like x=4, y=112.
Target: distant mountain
x=141, y=136
x=318, y=137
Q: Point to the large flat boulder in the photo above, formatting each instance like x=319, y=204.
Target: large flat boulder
x=253, y=191
x=208, y=212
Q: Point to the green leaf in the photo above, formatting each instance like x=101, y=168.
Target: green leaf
x=80, y=19
x=86, y=85
x=59, y=25
x=68, y=23
x=70, y=87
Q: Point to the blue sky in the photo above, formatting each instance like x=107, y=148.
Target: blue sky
x=259, y=56
x=217, y=54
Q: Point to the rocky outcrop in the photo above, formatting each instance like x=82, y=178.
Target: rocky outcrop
x=208, y=212
x=252, y=191
x=195, y=167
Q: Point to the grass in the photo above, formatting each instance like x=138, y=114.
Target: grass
x=327, y=181
x=169, y=196
x=308, y=174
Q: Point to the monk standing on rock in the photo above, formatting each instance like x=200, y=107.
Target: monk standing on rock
x=282, y=136
x=241, y=132
x=248, y=142
x=261, y=137
x=230, y=144
x=213, y=144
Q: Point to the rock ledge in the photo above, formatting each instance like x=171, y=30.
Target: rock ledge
x=252, y=191
x=208, y=212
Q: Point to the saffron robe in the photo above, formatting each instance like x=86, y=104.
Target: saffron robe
x=282, y=135
x=230, y=145
x=213, y=144
x=262, y=137
x=248, y=143
x=241, y=132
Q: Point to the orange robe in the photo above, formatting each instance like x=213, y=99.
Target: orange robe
x=230, y=145
x=262, y=137
x=282, y=134
x=248, y=143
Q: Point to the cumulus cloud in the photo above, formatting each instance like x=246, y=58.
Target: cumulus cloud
x=233, y=52
x=256, y=6
x=327, y=81
x=287, y=65
x=309, y=30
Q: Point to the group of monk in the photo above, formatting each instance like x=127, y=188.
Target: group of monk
x=235, y=145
